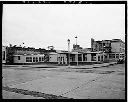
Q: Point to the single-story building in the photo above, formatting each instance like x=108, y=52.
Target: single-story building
x=89, y=56
x=62, y=57
x=20, y=59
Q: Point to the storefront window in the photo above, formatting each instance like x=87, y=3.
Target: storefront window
x=117, y=55
x=30, y=58
x=98, y=58
x=39, y=59
x=42, y=58
x=18, y=57
x=93, y=57
x=110, y=56
x=34, y=59
x=85, y=57
x=27, y=59
x=102, y=58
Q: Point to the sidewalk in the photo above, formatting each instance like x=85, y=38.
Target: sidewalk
x=55, y=66
x=92, y=66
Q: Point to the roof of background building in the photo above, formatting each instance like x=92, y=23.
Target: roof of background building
x=52, y=53
x=29, y=55
x=94, y=52
x=113, y=40
x=117, y=40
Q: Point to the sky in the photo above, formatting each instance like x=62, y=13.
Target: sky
x=43, y=25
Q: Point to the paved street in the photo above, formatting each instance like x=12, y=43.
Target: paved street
x=60, y=83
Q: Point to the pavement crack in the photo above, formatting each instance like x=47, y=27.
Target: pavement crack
x=90, y=81
x=34, y=93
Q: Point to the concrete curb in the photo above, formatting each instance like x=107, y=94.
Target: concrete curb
x=93, y=66
x=72, y=67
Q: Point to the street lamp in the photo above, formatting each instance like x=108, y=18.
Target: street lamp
x=76, y=40
x=77, y=49
x=68, y=51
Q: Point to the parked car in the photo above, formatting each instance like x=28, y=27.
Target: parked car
x=120, y=61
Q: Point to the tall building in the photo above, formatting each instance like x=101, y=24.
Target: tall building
x=115, y=47
x=109, y=46
x=104, y=45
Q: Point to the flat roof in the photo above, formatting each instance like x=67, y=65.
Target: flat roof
x=94, y=52
x=83, y=52
x=30, y=55
x=52, y=53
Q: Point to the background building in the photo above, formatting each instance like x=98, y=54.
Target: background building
x=100, y=51
x=117, y=45
x=13, y=51
x=28, y=59
x=104, y=45
x=76, y=47
x=115, y=48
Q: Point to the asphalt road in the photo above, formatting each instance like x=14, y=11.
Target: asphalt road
x=61, y=83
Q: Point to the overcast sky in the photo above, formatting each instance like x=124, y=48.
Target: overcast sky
x=43, y=25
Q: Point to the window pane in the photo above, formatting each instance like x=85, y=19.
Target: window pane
x=39, y=59
x=18, y=57
x=3, y=55
x=98, y=58
x=42, y=58
x=27, y=59
x=30, y=59
x=33, y=59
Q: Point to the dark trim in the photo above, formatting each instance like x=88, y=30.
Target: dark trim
x=64, y=2
x=126, y=50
